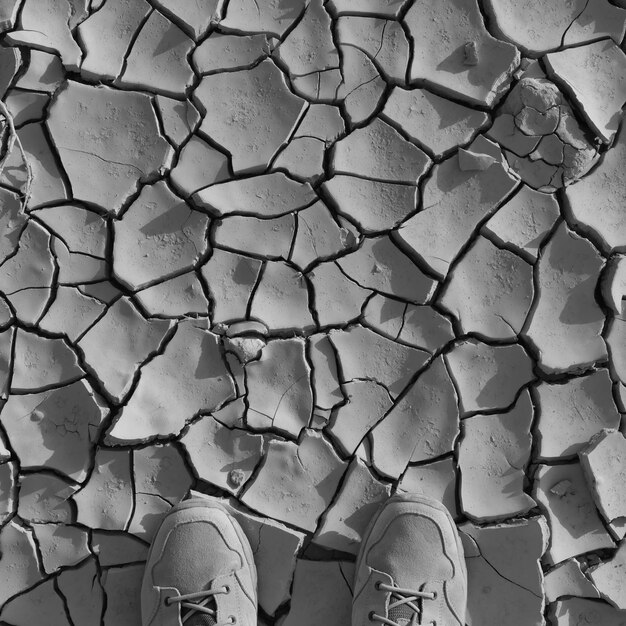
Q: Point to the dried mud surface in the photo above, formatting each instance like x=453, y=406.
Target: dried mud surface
x=301, y=255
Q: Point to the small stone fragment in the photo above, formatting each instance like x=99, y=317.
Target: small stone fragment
x=488, y=377
x=437, y=124
x=296, y=482
x=379, y=264
x=494, y=452
x=363, y=354
x=268, y=238
x=281, y=300
x=377, y=151
x=176, y=297
x=505, y=581
x=222, y=456
x=220, y=52
x=338, y=300
x=55, y=429
x=596, y=75
x=252, y=113
x=523, y=222
x=375, y=205
x=106, y=499
x=423, y=425
x=44, y=498
x=436, y=480
x=489, y=291
x=321, y=579
x=111, y=145
x=268, y=195
x=439, y=40
x=40, y=362
x=567, y=579
x=454, y=202
x=106, y=35
x=279, y=387
x=157, y=237
x=157, y=60
x=83, y=593
x=188, y=377
x=571, y=413
x=566, y=323
x=360, y=496
x=28, y=607
x=122, y=588
x=609, y=580
x=61, y=545
x=576, y=527
x=604, y=465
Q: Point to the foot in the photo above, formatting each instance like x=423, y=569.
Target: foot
x=410, y=569
x=200, y=570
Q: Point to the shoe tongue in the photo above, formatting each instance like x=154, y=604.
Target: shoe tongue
x=200, y=619
x=402, y=614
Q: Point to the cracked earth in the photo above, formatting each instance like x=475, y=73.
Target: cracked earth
x=301, y=255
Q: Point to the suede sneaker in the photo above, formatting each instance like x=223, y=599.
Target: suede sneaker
x=200, y=570
x=410, y=569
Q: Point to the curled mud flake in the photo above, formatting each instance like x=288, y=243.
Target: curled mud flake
x=471, y=53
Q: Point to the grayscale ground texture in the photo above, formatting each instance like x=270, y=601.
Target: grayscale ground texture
x=301, y=255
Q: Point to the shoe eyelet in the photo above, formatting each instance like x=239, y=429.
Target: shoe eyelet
x=377, y=585
x=167, y=601
x=232, y=619
x=226, y=588
x=370, y=616
x=434, y=598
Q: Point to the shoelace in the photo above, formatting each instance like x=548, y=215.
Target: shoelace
x=185, y=601
x=405, y=597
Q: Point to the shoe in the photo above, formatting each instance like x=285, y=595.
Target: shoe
x=200, y=570
x=410, y=569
